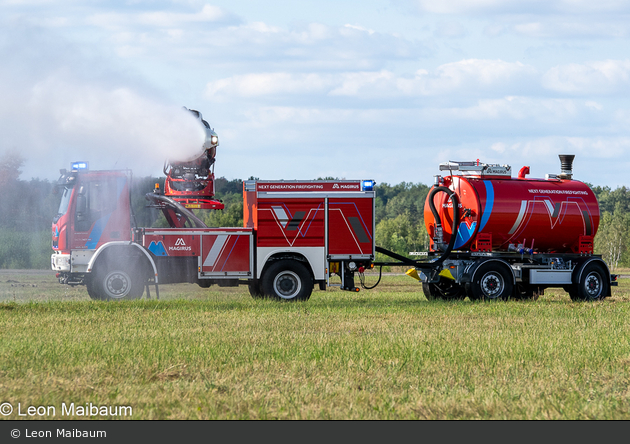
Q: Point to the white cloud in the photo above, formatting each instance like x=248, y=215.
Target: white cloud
x=522, y=7
x=265, y=84
x=313, y=45
x=161, y=19
x=471, y=77
x=450, y=30
x=359, y=28
x=599, y=77
x=541, y=19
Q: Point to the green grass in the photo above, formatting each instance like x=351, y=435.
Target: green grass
x=386, y=353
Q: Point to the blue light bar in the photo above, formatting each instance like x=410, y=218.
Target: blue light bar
x=367, y=185
x=80, y=166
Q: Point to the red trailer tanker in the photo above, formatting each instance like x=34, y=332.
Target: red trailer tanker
x=556, y=215
x=511, y=237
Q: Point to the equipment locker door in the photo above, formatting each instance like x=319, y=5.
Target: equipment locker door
x=350, y=227
x=226, y=253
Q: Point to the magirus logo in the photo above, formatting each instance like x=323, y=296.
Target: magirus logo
x=180, y=245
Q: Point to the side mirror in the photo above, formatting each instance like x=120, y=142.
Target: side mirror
x=81, y=208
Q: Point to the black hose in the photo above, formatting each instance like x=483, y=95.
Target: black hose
x=362, y=279
x=436, y=263
x=438, y=221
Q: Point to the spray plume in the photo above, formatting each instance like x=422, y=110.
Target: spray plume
x=61, y=104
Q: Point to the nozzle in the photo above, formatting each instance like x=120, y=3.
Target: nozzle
x=412, y=272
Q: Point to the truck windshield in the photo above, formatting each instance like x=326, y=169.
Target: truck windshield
x=65, y=201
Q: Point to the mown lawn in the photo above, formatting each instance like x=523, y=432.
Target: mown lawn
x=386, y=353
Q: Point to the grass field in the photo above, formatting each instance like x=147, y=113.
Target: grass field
x=386, y=353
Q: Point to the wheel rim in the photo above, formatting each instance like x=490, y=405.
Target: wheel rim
x=492, y=285
x=593, y=285
x=117, y=284
x=287, y=284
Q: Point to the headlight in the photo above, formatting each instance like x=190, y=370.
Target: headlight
x=214, y=140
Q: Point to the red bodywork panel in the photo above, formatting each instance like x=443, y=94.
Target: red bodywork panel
x=294, y=214
x=220, y=250
x=291, y=222
x=350, y=226
x=546, y=215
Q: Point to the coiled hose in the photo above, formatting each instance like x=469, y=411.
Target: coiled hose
x=438, y=221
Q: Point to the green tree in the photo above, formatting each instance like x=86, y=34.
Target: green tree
x=401, y=235
x=613, y=237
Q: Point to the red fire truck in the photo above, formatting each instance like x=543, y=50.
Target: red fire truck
x=492, y=237
x=296, y=234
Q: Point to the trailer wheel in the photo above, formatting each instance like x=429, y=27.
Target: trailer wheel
x=593, y=285
x=288, y=280
x=492, y=281
x=573, y=292
x=444, y=290
x=115, y=284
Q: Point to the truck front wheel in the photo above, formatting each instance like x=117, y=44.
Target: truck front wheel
x=115, y=284
x=287, y=280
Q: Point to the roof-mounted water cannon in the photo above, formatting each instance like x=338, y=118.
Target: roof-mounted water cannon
x=191, y=181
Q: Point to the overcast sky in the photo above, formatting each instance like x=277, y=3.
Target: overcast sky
x=369, y=89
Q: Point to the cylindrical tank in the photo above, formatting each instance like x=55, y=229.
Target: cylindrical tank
x=545, y=215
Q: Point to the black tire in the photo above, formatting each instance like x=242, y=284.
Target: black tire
x=593, y=285
x=573, y=292
x=205, y=283
x=255, y=291
x=116, y=283
x=492, y=281
x=92, y=289
x=287, y=280
x=444, y=290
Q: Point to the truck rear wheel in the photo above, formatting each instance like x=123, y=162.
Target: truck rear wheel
x=492, y=281
x=288, y=280
x=115, y=284
x=254, y=290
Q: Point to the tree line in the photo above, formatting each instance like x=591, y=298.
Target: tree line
x=28, y=207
